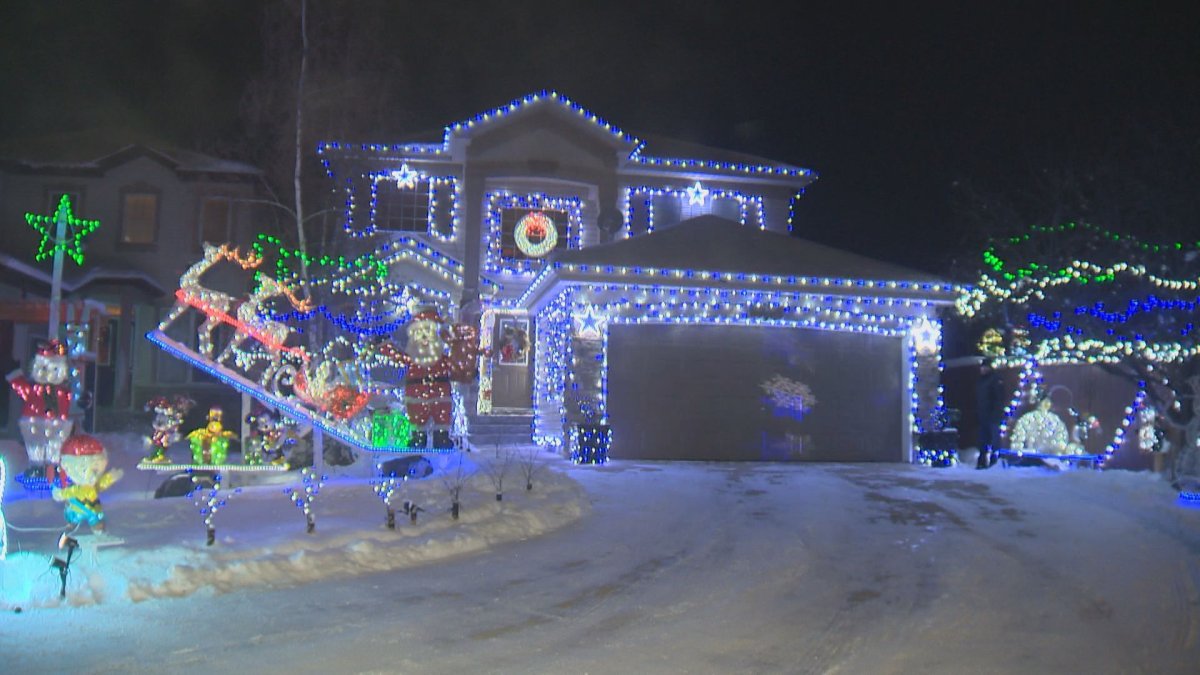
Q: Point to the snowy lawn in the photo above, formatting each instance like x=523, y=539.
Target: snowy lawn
x=639, y=567
x=156, y=548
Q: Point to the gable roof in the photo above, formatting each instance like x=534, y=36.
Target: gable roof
x=419, y=145
x=715, y=244
x=543, y=100
x=97, y=151
x=19, y=271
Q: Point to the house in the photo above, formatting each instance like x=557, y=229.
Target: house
x=155, y=205
x=650, y=286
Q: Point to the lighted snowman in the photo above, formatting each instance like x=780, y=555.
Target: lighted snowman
x=85, y=462
x=47, y=403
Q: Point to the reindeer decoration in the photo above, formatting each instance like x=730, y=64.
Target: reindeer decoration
x=214, y=304
x=254, y=322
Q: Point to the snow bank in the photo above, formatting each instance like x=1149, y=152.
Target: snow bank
x=261, y=538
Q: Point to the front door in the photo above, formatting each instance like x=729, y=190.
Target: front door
x=512, y=363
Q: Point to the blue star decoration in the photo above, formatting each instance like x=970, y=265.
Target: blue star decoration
x=76, y=230
x=589, y=324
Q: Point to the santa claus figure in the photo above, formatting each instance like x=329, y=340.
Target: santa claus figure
x=85, y=462
x=47, y=403
x=435, y=356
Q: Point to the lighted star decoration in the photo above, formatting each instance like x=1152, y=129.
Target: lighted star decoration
x=696, y=193
x=405, y=177
x=76, y=230
x=926, y=334
x=588, y=324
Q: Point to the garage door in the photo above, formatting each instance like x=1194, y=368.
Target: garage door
x=754, y=393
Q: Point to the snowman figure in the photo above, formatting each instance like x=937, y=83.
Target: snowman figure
x=47, y=403
x=85, y=462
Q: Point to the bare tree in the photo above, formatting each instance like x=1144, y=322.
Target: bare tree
x=388, y=488
x=1140, y=179
x=497, y=469
x=455, y=481
x=327, y=74
x=530, y=467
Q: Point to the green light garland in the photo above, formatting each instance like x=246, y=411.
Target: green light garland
x=1093, y=308
x=284, y=255
x=1129, y=242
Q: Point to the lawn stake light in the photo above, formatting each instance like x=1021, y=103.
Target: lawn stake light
x=64, y=566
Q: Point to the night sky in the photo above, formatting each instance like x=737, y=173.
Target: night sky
x=891, y=103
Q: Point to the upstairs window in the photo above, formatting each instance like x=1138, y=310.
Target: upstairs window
x=139, y=218
x=216, y=216
x=402, y=209
x=54, y=195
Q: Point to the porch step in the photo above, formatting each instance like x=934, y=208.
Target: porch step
x=491, y=430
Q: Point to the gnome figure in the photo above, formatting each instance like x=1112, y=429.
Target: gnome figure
x=44, y=422
x=85, y=462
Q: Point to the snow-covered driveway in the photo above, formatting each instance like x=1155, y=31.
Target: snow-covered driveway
x=718, y=568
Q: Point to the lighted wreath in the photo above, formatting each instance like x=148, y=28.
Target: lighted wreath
x=536, y=234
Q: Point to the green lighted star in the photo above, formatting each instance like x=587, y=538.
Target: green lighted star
x=76, y=230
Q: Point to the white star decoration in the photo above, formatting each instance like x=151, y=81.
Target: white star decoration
x=696, y=193
x=405, y=177
x=926, y=335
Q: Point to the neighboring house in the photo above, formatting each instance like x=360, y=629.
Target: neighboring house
x=155, y=206
x=653, y=286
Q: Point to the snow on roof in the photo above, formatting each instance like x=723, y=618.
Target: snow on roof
x=661, y=151
x=715, y=244
x=100, y=150
x=94, y=275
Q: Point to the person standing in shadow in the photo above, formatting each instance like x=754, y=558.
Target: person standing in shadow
x=989, y=403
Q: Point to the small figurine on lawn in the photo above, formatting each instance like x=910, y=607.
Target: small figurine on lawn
x=210, y=443
x=85, y=462
x=268, y=436
x=44, y=415
x=168, y=417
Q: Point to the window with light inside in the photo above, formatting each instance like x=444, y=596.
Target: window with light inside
x=139, y=218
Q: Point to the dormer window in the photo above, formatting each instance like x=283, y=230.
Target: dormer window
x=55, y=194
